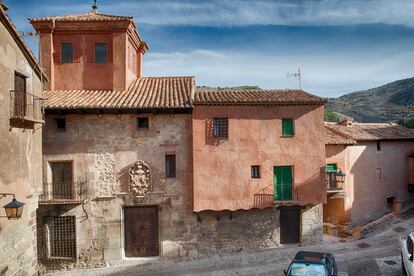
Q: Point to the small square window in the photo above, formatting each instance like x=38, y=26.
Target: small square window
x=255, y=171
x=67, y=53
x=142, y=123
x=221, y=128
x=287, y=127
x=61, y=124
x=101, y=53
x=170, y=165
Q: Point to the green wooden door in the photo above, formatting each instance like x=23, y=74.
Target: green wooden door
x=283, y=182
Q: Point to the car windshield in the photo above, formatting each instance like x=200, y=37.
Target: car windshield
x=299, y=269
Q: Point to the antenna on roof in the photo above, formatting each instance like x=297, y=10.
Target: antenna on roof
x=296, y=76
x=94, y=7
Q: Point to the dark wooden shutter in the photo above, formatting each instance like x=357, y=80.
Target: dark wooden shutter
x=283, y=178
x=19, y=95
x=62, y=180
x=287, y=127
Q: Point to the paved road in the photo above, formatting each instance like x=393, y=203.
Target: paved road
x=378, y=254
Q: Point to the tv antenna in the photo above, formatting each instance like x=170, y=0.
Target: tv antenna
x=296, y=76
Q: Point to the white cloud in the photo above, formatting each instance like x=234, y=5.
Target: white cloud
x=321, y=74
x=242, y=13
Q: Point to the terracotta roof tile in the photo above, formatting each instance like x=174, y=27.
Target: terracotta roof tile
x=89, y=17
x=374, y=131
x=255, y=97
x=147, y=92
x=333, y=137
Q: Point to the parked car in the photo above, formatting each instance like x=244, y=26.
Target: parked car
x=312, y=264
x=407, y=255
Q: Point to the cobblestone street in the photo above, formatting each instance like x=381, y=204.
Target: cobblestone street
x=377, y=254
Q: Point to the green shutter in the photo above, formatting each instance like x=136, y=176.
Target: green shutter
x=283, y=183
x=287, y=127
x=331, y=168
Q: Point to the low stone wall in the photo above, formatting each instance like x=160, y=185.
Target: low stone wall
x=227, y=231
x=312, y=224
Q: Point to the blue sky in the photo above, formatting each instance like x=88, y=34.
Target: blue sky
x=340, y=46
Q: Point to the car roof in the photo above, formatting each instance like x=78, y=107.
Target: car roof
x=311, y=257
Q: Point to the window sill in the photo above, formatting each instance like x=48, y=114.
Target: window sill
x=287, y=136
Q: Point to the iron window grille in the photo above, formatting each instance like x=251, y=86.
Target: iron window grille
x=221, y=128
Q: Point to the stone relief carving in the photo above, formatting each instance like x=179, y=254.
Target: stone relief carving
x=139, y=179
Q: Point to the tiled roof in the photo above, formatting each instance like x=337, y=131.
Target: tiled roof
x=373, y=132
x=90, y=17
x=146, y=92
x=333, y=137
x=255, y=97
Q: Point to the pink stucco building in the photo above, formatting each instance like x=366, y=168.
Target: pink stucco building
x=377, y=162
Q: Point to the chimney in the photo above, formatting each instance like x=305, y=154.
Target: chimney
x=346, y=122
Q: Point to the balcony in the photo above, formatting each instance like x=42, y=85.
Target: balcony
x=63, y=193
x=335, y=182
x=26, y=110
x=286, y=195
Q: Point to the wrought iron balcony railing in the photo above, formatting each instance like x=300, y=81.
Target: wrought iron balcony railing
x=63, y=193
x=333, y=185
x=25, y=109
x=285, y=195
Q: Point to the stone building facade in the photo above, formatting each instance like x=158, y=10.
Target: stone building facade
x=123, y=156
x=377, y=162
x=20, y=147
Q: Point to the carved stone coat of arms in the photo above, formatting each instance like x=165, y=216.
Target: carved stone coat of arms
x=139, y=179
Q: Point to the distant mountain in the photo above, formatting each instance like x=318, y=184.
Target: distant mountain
x=389, y=102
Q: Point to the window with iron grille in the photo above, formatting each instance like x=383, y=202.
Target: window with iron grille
x=67, y=53
x=221, y=128
x=170, y=165
x=62, y=183
x=255, y=171
x=62, y=237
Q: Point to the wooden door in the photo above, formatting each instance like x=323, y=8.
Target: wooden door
x=289, y=225
x=141, y=231
x=283, y=178
x=19, y=96
x=62, y=182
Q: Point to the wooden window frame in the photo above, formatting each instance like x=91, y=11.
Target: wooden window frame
x=255, y=172
x=61, y=52
x=173, y=172
x=293, y=127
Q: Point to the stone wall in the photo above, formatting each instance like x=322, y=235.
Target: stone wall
x=312, y=224
x=103, y=149
x=227, y=231
x=20, y=164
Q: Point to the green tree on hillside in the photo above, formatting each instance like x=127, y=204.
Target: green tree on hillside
x=331, y=116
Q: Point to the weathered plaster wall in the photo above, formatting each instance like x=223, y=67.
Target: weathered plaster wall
x=236, y=231
x=102, y=150
x=20, y=166
x=366, y=193
x=370, y=193
x=223, y=171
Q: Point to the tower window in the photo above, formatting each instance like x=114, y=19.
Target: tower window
x=101, y=53
x=67, y=53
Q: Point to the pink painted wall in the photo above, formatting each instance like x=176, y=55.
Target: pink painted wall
x=84, y=73
x=366, y=193
x=222, y=179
